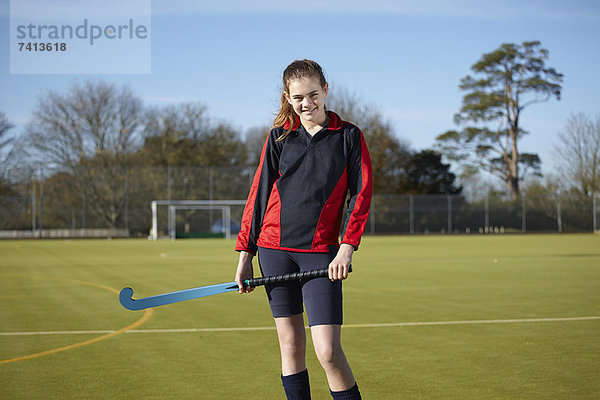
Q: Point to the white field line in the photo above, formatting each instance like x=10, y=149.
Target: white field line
x=271, y=328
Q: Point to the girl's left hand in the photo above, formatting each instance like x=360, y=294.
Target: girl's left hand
x=340, y=266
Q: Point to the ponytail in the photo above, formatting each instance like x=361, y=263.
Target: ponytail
x=286, y=115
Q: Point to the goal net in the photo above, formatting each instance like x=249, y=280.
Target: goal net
x=195, y=218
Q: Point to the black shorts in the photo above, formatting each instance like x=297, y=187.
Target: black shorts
x=321, y=297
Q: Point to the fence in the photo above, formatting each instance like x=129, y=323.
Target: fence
x=414, y=214
x=120, y=198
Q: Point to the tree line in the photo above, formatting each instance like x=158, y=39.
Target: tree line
x=89, y=139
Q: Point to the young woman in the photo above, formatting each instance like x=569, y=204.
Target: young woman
x=310, y=161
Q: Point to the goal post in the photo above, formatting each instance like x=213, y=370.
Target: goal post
x=174, y=205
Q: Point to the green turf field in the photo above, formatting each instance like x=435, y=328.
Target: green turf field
x=527, y=288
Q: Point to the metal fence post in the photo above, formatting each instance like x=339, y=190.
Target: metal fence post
x=411, y=212
x=487, y=213
x=33, y=209
x=169, y=172
x=41, y=203
x=523, y=214
x=211, y=194
x=595, y=211
x=559, y=215
x=83, y=205
x=372, y=217
x=449, y=213
x=126, y=211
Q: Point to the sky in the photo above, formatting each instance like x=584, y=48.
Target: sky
x=406, y=58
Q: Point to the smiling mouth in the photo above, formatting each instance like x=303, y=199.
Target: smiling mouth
x=309, y=111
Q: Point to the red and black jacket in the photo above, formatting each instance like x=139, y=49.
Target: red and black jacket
x=297, y=195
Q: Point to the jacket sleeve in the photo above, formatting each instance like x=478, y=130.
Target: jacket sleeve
x=360, y=186
x=256, y=204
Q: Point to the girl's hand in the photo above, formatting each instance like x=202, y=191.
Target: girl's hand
x=244, y=271
x=339, y=267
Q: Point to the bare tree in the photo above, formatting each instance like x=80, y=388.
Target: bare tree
x=579, y=153
x=92, y=132
x=91, y=119
x=255, y=139
x=5, y=126
x=389, y=154
x=5, y=153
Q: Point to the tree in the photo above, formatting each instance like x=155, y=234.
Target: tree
x=90, y=120
x=513, y=77
x=255, y=140
x=578, y=152
x=205, y=160
x=182, y=135
x=91, y=132
x=222, y=146
x=169, y=132
x=426, y=174
x=5, y=126
x=389, y=154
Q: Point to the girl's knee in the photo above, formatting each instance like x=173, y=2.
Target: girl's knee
x=292, y=342
x=329, y=354
x=293, y=346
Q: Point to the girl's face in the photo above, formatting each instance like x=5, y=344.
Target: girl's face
x=307, y=98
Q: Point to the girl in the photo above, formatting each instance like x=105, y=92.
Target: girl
x=293, y=214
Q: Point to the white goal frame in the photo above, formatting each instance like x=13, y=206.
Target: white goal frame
x=174, y=205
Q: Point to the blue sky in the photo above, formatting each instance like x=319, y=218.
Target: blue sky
x=404, y=57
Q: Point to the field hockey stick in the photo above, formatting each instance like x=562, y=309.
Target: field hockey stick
x=127, y=300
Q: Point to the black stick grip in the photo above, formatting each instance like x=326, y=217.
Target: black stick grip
x=294, y=276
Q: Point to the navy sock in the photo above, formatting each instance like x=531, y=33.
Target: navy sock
x=350, y=394
x=296, y=386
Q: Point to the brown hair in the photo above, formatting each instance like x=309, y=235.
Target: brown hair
x=296, y=70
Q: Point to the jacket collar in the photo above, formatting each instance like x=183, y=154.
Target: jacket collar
x=335, y=122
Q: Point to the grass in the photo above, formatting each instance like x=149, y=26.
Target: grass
x=64, y=285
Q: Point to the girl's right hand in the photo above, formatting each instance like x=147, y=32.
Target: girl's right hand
x=244, y=271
